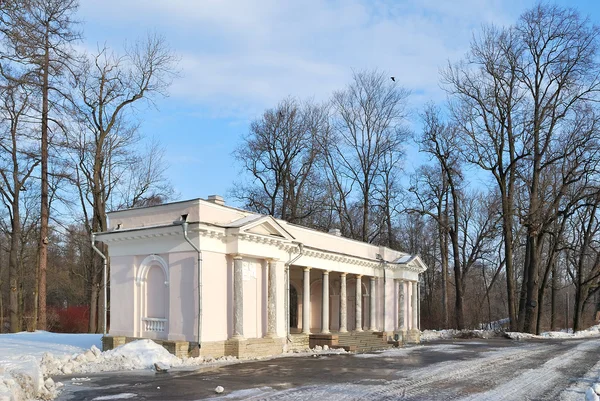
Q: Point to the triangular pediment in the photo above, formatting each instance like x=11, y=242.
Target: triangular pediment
x=412, y=261
x=261, y=225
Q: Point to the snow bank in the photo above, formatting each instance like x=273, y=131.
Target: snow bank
x=430, y=335
x=593, y=393
x=593, y=331
x=139, y=354
x=322, y=350
x=21, y=375
x=28, y=360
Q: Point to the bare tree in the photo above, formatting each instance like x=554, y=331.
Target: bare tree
x=38, y=35
x=369, y=128
x=430, y=189
x=560, y=75
x=280, y=153
x=18, y=159
x=108, y=86
x=486, y=104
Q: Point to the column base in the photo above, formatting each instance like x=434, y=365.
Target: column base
x=412, y=337
x=344, y=330
x=271, y=335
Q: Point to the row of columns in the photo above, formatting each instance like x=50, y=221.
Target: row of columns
x=343, y=303
x=238, y=297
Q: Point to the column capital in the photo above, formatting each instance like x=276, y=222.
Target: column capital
x=306, y=269
x=359, y=276
x=237, y=256
x=344, y=274
x=326, y=272
x=272, y=260
x=372, y=278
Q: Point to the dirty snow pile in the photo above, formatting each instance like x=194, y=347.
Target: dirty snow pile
x=593, y=331
x=323, y=350
x=21, y=373
x=28, y=359
x=430, y=335
x=140, y=354
x=593, y=393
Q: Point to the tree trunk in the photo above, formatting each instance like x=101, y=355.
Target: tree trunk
x=44, y=209
x=458, y=280
x=13, y=268
x=532, y=284
x=554, y=295
x=507, y=234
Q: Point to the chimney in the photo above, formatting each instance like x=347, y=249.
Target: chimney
x=335, y=231
x=216, y=199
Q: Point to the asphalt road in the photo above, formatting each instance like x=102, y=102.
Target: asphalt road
x=495, y=369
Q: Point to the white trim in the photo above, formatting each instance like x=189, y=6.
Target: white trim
x=147, y=263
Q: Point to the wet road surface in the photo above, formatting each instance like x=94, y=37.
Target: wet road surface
x=494, y=369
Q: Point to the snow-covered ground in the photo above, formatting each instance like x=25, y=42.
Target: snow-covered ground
x=28, y=360
x=21, y=374
x=430, y=335
x=592, y=393
x=591, y=332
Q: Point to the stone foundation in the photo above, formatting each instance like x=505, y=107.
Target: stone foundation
x=180, y=349
x=412, y=337
x=110, y=342
x=254, y=347
x=331, y=340
x=300, y=342
x=241, y=348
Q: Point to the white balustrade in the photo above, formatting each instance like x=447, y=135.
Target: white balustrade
x=154, y=324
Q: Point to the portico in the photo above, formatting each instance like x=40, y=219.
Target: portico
x=264, y=283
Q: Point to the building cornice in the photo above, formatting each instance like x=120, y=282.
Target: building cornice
x=220, y=233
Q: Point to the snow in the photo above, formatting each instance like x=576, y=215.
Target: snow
x=591, y=395
x=593, y=331
x=122, y=396
x=28, y=359
x=247, y=393
x=21, y=376
x=430, y=335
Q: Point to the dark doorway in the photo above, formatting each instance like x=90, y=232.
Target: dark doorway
x=293, y=307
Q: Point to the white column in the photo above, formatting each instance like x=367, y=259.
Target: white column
x=306, y=302
x=401, y=324
x=418, y=306
x=343, y=305
x=415, y=301
x=238, y=298
x=372, y=306
x=358, y=303
x=271, y=299
x=325, y=303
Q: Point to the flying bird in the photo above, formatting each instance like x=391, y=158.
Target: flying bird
x=393, y=79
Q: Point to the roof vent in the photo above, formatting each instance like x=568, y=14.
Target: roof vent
x=216, y=199
x=335, y=231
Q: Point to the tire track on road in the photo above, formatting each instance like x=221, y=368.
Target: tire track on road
x=418, y=382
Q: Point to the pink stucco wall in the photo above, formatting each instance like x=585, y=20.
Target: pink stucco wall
x=122, y=302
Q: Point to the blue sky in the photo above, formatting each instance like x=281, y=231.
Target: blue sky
x=239, y=57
